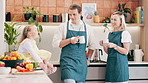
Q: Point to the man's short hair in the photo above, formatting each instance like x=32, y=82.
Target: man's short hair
x=75, y=6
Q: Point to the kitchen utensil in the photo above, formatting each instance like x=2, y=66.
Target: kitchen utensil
x=64, y=17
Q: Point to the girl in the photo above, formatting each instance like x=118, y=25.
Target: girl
x=28, y=47
x=117, y=50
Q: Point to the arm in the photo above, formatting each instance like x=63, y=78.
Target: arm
x=64, y=42
x=105, y=47
x=28, y=47
x=122, y=50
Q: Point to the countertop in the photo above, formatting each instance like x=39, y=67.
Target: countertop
x=131, y=63
x=32, y=78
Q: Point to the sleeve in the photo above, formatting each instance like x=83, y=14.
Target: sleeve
x=58, y=36
x=92, y=43
x=29, y=49
x=126, y=37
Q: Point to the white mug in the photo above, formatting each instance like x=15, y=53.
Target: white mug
x=81, y=39
x=105, y=42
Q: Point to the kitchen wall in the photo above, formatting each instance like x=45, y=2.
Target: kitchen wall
x=50, y=7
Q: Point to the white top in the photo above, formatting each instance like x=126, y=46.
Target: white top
x=126, y=37
x=62, y=31
x=29, y=46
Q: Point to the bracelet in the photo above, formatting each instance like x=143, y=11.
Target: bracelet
x=89, y=59
x=116, y=47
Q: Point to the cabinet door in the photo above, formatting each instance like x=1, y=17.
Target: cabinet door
x=97, y=73
x=139, y=81
x=56, y=77
x=138, y=73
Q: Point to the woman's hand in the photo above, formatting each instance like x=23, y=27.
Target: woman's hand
x=111, y=45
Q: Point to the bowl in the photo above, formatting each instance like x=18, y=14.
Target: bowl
x=11, y=63
x=5, y=70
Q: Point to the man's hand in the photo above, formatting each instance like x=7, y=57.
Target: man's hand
x=74, y=40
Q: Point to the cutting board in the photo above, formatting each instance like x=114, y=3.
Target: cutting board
x=36, y=72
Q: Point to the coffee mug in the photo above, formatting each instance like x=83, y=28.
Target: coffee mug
x=81, y=39
x=105, y=42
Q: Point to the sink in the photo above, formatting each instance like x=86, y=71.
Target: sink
x=97, y=61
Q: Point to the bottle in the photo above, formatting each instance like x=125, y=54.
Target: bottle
x=138, y=54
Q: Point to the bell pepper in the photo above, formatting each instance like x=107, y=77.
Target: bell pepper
x=29, y=66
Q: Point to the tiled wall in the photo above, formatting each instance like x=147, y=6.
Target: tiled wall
x=50, y=7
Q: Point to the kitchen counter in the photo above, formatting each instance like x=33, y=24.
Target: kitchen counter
x=138, y=72
x=31, y=78
x=131, y=63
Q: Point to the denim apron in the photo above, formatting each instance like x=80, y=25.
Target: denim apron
x=73, y=62
x=117, y=63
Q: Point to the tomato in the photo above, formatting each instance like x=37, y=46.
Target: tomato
x=2, y=65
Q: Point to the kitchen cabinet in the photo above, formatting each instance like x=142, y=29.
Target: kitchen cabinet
x=138, y=73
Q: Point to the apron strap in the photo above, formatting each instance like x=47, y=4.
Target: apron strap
x=84, y=29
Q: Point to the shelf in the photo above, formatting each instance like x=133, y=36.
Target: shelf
x=91, y=24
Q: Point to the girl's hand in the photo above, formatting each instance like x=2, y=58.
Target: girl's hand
x=88, y=62
x=111, y=45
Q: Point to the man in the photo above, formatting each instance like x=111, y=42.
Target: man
x=73, y=37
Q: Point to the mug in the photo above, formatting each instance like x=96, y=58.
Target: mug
x=105, y=42
x=81, y=39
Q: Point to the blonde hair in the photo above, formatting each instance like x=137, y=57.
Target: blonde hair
x=25, y=33
x=123, y=23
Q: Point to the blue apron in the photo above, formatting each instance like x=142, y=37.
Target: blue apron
x=73, y=61
x=117, y=63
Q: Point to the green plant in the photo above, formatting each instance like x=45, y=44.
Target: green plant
x=106, y=21
x=10, y=34
x=121, y=8
x=32, y=10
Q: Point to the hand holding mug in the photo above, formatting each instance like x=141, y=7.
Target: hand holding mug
x=74, y=40
x=111, y=45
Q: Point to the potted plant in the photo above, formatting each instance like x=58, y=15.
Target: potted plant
x=31, y=12
x=106, y=21
x=125, y=11
x=10, y=34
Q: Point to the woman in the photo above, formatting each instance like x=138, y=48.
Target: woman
x=117, y=50
x=28, y=47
